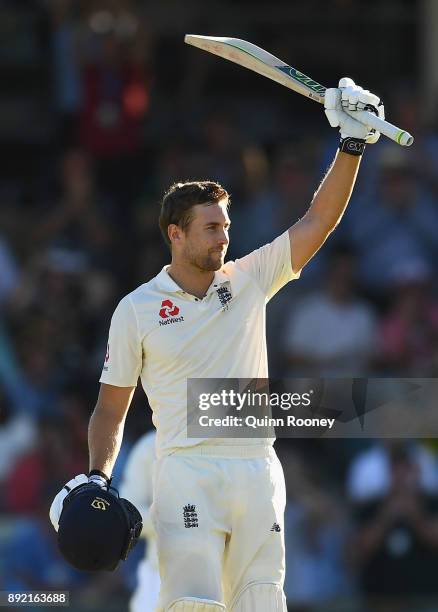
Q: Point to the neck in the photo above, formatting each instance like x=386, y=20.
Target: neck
x=191, y=279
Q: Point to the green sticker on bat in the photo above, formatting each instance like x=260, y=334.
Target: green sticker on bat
x=302, y=78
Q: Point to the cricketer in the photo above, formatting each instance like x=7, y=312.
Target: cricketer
x=218, y=503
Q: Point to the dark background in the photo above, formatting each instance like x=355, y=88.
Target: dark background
x=102, y=107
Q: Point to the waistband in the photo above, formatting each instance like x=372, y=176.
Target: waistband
x=227, y=451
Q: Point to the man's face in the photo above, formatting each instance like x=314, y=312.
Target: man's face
x=205, y=241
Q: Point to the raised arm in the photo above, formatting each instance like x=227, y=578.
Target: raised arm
x=326, y=210
x=333, y=195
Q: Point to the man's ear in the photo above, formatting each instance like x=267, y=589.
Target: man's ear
x=174, y=232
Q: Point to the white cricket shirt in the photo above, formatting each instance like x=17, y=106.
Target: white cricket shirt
x=164, y=336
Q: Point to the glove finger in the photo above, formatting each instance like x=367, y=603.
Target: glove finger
x=56, y=508
x=345, y=93
x=332, y=116
x=350, y=97
x=57, y=504
x=369, y=98
x=75, y=482
x=381, y=111
x=346, y=82
x=331, y=104
x=332, y=97
x=363, y=104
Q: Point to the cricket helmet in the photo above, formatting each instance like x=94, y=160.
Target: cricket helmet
x=97, y=528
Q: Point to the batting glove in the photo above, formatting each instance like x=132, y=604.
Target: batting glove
x=81, y=480
x=340, y=105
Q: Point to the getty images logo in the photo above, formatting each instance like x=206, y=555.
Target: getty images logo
x=169, y=312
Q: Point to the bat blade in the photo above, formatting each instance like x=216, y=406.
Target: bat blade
x=258, y=60
x=254, y=58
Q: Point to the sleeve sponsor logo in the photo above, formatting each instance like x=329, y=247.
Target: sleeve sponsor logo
x=107, y=356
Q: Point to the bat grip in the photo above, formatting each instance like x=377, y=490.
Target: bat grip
x=399, y=136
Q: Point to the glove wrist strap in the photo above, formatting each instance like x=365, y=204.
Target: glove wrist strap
x=98, y=475
x=352, y=146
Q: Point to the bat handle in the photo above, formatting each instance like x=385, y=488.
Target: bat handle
x=399, y=136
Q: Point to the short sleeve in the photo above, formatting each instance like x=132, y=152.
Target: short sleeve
x=270, y=265
x=123, y=359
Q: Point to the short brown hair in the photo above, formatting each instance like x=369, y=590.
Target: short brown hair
x=180, y=198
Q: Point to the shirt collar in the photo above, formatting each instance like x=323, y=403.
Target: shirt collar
x=220, y=278
x=167, y=284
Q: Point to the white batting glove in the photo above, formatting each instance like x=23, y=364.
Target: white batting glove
x=340, y=105
x=78, y=481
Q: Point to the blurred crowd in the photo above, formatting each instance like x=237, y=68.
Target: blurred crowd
x=78, y=230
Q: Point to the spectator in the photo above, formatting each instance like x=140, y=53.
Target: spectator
x=316, y=528
x=398, y=224
x=115, y=85
x=223, y=152
x=409, y=331
x=393, y=488
x=17, y=437
x=79, y=220
x=40, y=471
x=34, y=563
x=66, y=65
x=333, y=332
x=269, y=210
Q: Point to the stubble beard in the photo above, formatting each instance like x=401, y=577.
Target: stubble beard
x=210, y=262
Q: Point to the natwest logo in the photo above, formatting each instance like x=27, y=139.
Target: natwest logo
x=168, y=309
x=168, y=312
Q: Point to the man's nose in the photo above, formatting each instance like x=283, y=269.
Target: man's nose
x=224, y=239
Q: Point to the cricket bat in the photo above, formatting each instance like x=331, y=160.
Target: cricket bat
x=254, y=58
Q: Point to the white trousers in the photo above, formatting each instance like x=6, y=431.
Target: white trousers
x=218, y=515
